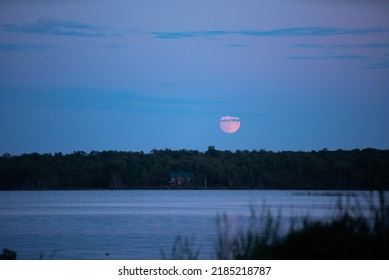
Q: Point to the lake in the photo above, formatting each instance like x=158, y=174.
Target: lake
x=139, y=224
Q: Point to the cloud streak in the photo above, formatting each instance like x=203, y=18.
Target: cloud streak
x=378, y=65
x=373, y=60
x=229, y=118
x=97, y=99
x=60, y=28
x=296, y=31
x=342, y=56
x=17, y=47
x=81, y=29
x=236, y=46
x=344, y=46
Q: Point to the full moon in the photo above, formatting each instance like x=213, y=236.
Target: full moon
x=229, y=124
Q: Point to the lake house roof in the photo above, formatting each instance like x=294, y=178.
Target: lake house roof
x=181, y=174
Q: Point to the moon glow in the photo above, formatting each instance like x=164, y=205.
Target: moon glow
x=229, y=124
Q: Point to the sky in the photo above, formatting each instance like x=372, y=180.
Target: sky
x=141, y=75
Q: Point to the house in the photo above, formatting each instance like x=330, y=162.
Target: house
x=179, y=179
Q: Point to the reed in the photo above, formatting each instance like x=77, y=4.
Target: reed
x=183, y=249
x=349, y=234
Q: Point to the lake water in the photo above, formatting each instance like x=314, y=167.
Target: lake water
x=139, y=224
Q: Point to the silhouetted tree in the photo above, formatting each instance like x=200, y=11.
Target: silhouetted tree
x=356, y=169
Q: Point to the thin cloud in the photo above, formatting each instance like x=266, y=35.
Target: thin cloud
x=366, y=46
x=378, y=65
x=236, y=46
x=317, y=31
x=229, y=118
x=344, y=46
x=60, y=28
x=296, y=31
x=368, y=62
x=343, y=56
x=192, y=34
x=376, y=45
x=18, y=47
x=115, y=46
x=97, y=99
x=167, y=84
x=309, y=46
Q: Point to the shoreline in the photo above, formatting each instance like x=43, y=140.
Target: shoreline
x=197, y=189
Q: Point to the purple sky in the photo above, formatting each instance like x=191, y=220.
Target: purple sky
x=142, y=75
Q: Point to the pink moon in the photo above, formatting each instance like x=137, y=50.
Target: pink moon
x=229, y=124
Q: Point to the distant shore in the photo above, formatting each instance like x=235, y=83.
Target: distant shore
x=366, y=169
x=194, y=188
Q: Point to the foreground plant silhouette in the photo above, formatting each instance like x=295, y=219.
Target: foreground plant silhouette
x=183, y=249
x=349, y=235
x=8, y=255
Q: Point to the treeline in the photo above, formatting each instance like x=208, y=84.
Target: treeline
x=355, y=169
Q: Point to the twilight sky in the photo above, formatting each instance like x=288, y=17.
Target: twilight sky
x=142, y=75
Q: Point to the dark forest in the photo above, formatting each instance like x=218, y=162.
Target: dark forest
x=213, y=169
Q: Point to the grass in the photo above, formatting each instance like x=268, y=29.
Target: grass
x=8, y=255
x=240, y=244
x=352, y=233
x=182, y=249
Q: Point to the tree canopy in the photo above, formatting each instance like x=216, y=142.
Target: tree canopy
x=340, y=169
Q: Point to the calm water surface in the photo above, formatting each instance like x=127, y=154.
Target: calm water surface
x=138, y=224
